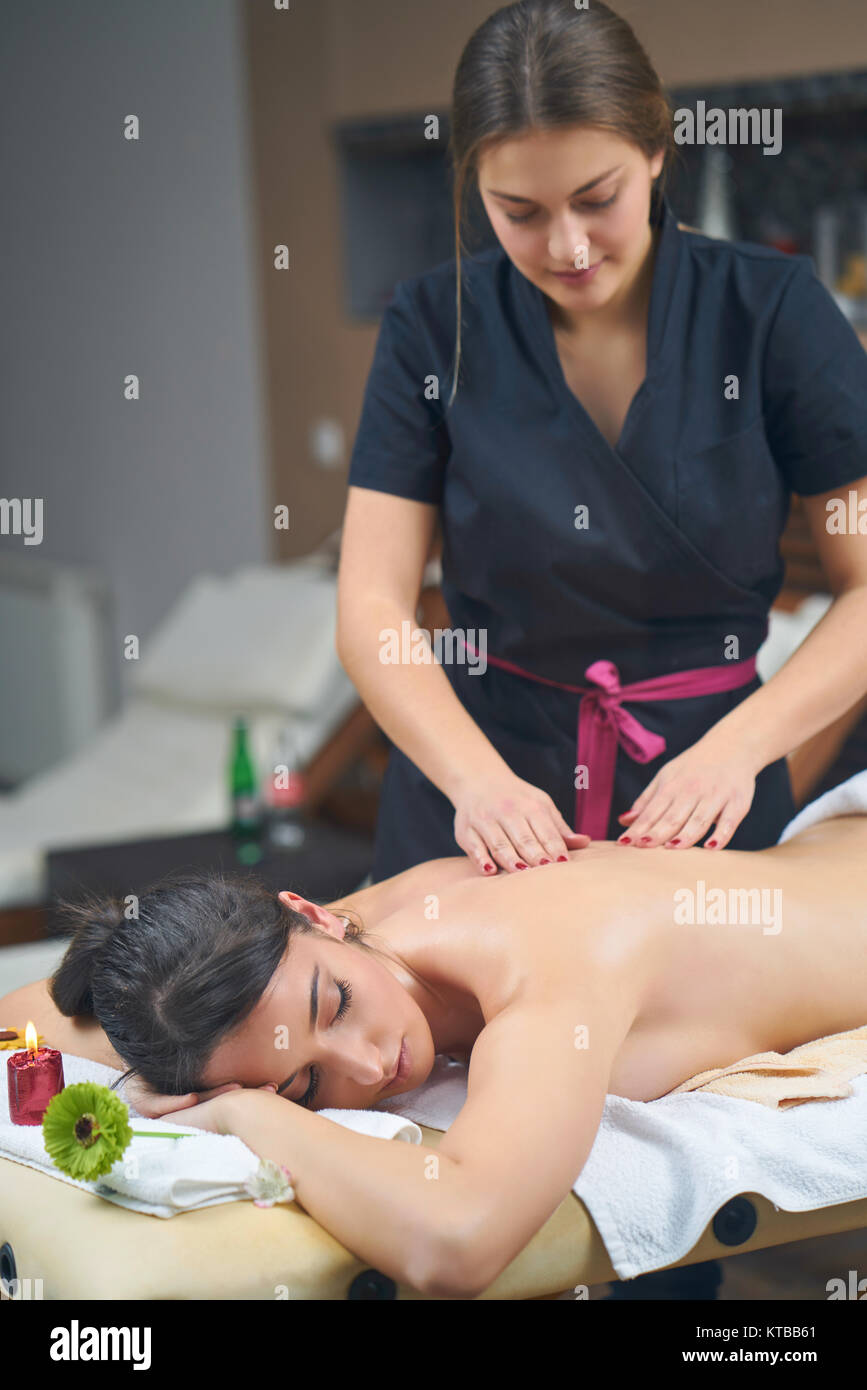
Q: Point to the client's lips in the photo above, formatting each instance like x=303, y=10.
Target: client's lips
x=401, y=1066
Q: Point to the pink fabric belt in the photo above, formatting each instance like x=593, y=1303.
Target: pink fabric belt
x=604, y=725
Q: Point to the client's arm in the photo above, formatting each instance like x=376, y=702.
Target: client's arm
x=448, y=1221
x=81, y=1036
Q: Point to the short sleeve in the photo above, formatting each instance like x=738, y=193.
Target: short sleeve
x=815, y=389
x=402, y=442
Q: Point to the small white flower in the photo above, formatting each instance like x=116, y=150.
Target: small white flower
x=269, y=1184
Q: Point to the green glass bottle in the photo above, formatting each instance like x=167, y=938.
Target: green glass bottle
x=246, y=812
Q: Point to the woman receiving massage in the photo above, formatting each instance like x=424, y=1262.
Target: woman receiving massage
x=559, y=985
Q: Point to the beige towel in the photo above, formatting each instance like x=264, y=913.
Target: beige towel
x=819, y=1070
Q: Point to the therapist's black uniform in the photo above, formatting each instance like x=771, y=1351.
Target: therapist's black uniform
x=756, y=386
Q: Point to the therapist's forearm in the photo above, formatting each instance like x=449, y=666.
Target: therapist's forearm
x=823, y=679
x=415, y=704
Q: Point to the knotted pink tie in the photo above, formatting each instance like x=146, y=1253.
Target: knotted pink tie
x=604, y=725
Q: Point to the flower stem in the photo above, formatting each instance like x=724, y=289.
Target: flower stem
x=156, y=1134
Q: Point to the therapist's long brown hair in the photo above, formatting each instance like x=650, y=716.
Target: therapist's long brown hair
x=543, y=64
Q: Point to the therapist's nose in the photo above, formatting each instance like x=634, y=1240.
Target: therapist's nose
x=569, y=235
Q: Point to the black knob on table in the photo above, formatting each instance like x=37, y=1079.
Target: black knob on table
x=735, y=1222
x=372, y=1284
x=8, y=1268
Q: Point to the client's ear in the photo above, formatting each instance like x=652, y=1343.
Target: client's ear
x=320, y=916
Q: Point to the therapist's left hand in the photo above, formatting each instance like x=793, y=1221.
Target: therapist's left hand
x=710, y=785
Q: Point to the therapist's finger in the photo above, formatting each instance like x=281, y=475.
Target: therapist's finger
x=475, y=849
x=726, y=823
x=500, y=847
x=659, y=820
x=575, y=839
x=556, y=841
x=530, y=851
x=697, y=823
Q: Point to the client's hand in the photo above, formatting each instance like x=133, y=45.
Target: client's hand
x=210, y=1114
x=221, y=1113
x=504, y=820
x=153, y=1106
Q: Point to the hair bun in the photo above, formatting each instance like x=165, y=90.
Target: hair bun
x=93, y=924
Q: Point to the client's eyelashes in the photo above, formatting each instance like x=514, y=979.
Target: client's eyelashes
x=345, y=997
x=345, y=989
x=310, y=1094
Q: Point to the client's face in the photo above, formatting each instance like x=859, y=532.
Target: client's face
x=330, y=1028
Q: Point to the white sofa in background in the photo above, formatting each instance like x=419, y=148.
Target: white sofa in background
x=259, y=642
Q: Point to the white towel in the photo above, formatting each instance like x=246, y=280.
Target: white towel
x=162, y=1177
x=659, y=1170
x=849, y=799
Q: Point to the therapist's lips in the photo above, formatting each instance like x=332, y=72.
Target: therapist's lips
x=579, y=277
x=404, y=1065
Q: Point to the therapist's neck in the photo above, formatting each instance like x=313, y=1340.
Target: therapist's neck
x=626, y=309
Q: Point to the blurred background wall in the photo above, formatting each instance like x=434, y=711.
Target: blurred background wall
x=129, y=257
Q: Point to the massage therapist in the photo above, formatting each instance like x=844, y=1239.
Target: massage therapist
x=607, y=414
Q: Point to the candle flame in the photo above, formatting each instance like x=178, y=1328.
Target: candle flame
x=31, y=1036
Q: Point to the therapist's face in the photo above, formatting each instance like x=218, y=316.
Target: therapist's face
x=543, y=233
x=363, y=1015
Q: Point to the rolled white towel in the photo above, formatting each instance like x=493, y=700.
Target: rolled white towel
x=849, y=799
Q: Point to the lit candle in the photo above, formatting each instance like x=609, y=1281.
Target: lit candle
x=34, y=1076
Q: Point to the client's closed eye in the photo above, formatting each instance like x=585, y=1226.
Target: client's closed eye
x=345, y=991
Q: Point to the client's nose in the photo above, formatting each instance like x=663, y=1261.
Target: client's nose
x=362, y=1063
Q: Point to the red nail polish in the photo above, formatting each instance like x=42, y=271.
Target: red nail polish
x=562, y=859
x=645, y=839
x=674, y=842
x=624, y=840
x=711, y=844
x=489, y=868
x=519, y=865
x=544, y=861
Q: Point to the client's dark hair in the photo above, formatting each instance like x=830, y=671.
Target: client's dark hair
x=168, y=985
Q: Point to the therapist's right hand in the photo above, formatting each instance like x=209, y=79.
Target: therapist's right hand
x=503, y=820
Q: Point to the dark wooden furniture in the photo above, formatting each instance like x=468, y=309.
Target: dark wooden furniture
x=330, y=863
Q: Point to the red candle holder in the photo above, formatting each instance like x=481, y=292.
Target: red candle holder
x=33, y=1077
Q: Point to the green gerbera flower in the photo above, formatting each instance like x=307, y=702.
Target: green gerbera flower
x=85, y=1130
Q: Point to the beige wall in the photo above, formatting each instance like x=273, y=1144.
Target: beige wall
x=327, y=60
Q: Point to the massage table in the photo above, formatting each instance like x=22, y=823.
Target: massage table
x=69, y=1239
x=83, y=1247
